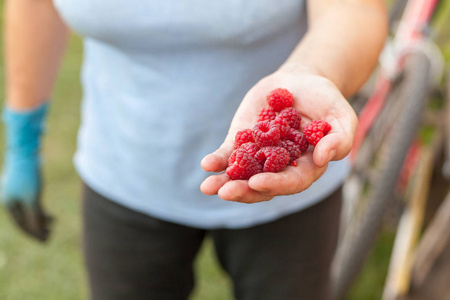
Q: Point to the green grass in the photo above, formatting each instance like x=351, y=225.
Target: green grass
x=369, y=285
x=55, y=271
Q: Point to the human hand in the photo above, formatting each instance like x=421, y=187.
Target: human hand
x=317, y=98
x=21, y=180
x=20, y=193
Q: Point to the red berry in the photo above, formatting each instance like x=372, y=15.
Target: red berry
x=275, y=159
x=292, y=117
x=315, y=131
x=279, y=99
x=251, y=148
x=283, y=125
x=275, y=141
x=266, y=133
x=242, y=165
x=298, y=139
x=292, y=148
x=242, y=137
x=267, y=114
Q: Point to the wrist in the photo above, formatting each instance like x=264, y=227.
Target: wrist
x=312, y=71
x=23, y=128
x=300, y=68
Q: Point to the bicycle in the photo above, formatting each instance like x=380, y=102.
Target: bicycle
x=391, y=118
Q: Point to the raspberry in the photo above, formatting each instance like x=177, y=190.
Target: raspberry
x=250, y=148
x=292, y=117
x=242, y=137
x=315, y=131
x=283, y=125
x=242, y=165
x=267, y=114
x=273, y=143
x=266, y=133
x=298, y=139
x=292, y=148
x=279, y=99
x=275, y=159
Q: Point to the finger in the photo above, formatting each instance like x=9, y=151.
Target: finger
x=37, y=222
x=212, y=184
x=290, y=181
x=338, y=143
x=44, y=222
x=218, y=160
x=239, y=191
x=17, y=211
x=42, y=235
x=46, y=218
x=333, y=146
x=31, y=218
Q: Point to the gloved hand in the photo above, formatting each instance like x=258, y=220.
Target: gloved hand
x=21, y=178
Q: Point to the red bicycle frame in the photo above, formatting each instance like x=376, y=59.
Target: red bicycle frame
x=410, y=31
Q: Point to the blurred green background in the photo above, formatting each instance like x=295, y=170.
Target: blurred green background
x=31, y=271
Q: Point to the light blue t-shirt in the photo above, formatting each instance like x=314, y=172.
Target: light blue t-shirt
x=162, y=81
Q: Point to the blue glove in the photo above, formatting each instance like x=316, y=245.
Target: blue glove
x=21, y=178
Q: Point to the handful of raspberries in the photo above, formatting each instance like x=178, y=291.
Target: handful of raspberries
x=275, y=141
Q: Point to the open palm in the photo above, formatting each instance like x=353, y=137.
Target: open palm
x=317, y=99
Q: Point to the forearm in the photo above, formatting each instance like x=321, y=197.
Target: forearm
x=343, y=42
x=34, y=39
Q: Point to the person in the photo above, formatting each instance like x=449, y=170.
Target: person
x=166, y=85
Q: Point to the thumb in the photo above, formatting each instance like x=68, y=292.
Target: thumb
x=218, y=160
x=338, y=142
x=332, y=147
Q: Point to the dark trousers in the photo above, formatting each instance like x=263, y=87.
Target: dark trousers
x=132, y=256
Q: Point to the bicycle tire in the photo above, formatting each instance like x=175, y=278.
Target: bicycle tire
x=396, y=10
x=355, y=246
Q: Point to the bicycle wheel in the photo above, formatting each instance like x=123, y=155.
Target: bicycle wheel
x=381, y=173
